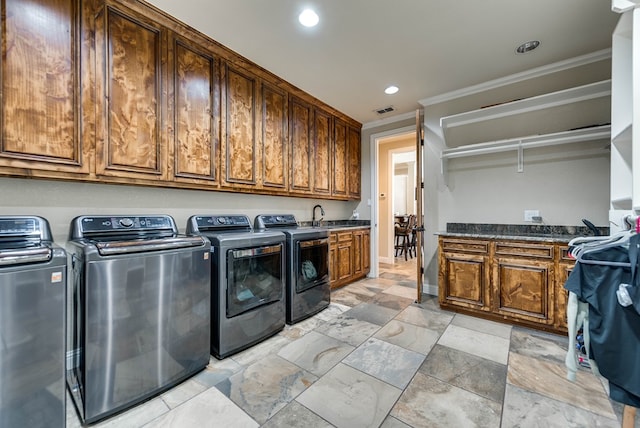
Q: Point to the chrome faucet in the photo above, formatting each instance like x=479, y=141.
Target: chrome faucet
x=313, y=217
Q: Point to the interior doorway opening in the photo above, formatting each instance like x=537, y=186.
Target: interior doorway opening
x=396, y=187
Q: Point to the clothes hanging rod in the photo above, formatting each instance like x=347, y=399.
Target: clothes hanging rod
x=564, y=137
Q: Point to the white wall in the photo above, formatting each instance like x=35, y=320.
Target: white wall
x=59, y=202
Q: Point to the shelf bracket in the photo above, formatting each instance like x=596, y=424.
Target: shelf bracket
x=444, y=169
x=520, y=157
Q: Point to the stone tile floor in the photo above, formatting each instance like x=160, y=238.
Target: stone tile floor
x=375, y=358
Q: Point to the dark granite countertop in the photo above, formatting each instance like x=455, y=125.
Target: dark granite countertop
x=340, y=224
x=527, y=232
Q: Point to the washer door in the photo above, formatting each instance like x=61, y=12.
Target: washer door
x=254, y=278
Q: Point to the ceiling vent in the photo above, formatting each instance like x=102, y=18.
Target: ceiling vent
x=384, y=110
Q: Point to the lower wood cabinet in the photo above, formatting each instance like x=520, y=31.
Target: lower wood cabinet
x=514, y=281
x=464, y=274
x=349, y=258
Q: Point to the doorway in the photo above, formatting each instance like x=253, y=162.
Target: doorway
x=393, y=183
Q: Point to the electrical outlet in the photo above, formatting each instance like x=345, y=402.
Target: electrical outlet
x=530, y=214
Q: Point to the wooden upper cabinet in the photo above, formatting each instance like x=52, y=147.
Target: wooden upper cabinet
x=321, y=156
x=238, y=127
x=130, y=139
x=339, y=172
x=274, y=138
x=353, y=156
x=196, y=115
x=300, y=119
x=41, y=86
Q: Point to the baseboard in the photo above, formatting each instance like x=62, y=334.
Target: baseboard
x=430, y=289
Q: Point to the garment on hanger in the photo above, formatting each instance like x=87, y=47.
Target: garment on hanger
x=614, y=330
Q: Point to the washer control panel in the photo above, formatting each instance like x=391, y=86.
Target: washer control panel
x=218, y=222
x=121, y=223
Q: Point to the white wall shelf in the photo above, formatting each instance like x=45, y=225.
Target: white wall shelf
x=540, y=102
x=602, y=132
x=625, y=110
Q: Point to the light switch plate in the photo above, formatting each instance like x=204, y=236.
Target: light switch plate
x=530, y=214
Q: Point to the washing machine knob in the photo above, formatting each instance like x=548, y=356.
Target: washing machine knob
x=126, y=222
x=222, y=220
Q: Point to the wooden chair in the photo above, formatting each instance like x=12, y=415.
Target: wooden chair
x=404, y=237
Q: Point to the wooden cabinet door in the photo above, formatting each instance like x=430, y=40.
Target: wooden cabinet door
x=239, y=144
x=196, y=115
x=345, y=256
x=565, y=267
x=40, y=127
x=358, y=266
x=333, y=259
x=366, y=251
x=300, y=144
x=322, y=134
x=353, y=144
x=130, y=83
x=464, y=273
x=464, y=280
x=523, y=289
x=339, y=186
x=523, y=281
x=274, y=139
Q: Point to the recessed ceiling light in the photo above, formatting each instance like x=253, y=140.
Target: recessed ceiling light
x=391, y=90
x=527, y=46
x=308, y=18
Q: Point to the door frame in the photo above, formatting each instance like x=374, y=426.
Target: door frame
x=374, y=144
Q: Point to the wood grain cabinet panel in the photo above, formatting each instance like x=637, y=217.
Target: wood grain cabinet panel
x=274, y=138
x=41, y=86
x=322, y=127
x=524, y=289
x=465, y=280
x=300, y=144
x=564, y=269
x=353, y=139
x=333, y=259
x=358, y=266
x=130, y=139
x=339, y=185
x=195, y=110
x=345, y=255
x=349, y=256
x=239, y=127
x=366, y=251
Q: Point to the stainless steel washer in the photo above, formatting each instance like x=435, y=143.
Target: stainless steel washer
x=32, y=324
x=247, y=281
x=141, y=320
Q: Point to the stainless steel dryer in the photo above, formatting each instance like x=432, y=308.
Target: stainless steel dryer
x=141, y=299
x=308, y=287
x=32, y=324
x=247, y=281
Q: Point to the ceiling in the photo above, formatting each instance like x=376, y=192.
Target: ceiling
x=426, y=47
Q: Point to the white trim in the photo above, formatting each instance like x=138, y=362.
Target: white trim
x=519, y=77
x=388, y=120
x=373, y=148
x=387, y=260
x=431, y=289
x=621, y=6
